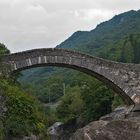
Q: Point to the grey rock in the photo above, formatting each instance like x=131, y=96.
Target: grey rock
x=118, y=125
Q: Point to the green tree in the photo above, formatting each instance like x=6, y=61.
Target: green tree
x=71, y=105
x=23, y=116
x=97, y=101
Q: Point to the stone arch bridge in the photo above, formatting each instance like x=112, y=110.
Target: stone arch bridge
x=122, y=78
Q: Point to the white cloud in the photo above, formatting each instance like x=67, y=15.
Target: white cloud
x=26, y=24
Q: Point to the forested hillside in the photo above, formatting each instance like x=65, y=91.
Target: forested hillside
x=108, y=34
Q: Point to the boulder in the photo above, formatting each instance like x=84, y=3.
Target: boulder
x=118, y=125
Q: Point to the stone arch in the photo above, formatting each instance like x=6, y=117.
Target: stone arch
x=122, y=78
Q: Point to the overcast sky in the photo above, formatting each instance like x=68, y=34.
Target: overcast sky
x=27, y=24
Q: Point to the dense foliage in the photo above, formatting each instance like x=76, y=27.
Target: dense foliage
x=22, y=115
x=86, y=102
x=131, y=49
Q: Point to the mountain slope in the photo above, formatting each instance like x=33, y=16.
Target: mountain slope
x=105, y=34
